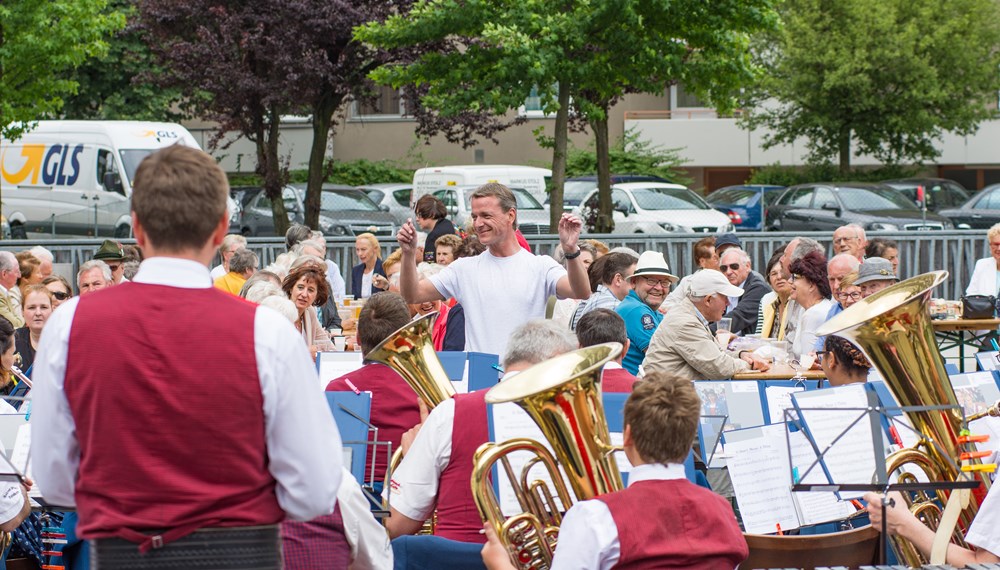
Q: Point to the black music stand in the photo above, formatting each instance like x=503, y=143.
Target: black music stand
x=881, y=484
x=380, y=509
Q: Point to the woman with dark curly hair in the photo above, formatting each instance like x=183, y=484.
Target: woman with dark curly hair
x=307, y=287
x=843, y=362
x=811, y=291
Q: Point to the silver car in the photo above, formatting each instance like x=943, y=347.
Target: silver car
x=393, y=197
x=344, y=211
x=532, y=217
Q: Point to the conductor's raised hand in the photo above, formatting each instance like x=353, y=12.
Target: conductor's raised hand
x=407, y=237
x=570, y=227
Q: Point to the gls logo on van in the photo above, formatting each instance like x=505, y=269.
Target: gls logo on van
x=58, y=164
x=159, y=134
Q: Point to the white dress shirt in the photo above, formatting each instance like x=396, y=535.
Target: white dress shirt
x=370, y=548
x=11, y=497
x=303, y=444
x=414, y=485
x=590, y=530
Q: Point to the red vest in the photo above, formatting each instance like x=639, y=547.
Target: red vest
x=617, y=380
x=694, y=527
x=458, y=518
x=394, y=407
x=162, y=384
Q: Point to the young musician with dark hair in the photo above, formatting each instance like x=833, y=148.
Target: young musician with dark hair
x=600, y=326
x=661, y=520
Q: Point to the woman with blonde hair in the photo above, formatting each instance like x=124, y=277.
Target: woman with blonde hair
x=986, y=276
x=37, y=309
x=369, y=253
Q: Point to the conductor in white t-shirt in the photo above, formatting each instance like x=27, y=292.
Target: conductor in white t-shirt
x=506, y=285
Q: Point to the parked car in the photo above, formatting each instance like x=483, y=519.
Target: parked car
x=826, y=206
x=940, y=193
x=392, y=197
x=344, y=211
x=532, y=217
x=576, y=189
x=745, y=205
x=657, y=208
x=980, y=212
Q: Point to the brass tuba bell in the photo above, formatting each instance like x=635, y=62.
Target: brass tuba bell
x=410, y=352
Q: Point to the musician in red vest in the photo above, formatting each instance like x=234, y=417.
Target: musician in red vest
x=661, y=520
x=437, y=468
x=197, y=426
x=600, y=326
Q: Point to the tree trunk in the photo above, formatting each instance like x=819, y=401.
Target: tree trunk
x=322, y=118
x=605, y=219
x=844, y=145
x=560, y=142
x=270, y=169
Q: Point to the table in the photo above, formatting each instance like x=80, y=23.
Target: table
x=780, y=372
x=959, y=333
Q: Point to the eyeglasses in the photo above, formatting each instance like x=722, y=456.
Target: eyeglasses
x=731, y=266
x=60, y=295
x=821, y=354
x=665, y=283
x=115, y=267
x=845, y=295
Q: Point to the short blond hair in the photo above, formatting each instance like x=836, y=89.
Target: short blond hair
x=394, y=258
x=993, y=233
x=232, y=242
x=372, y=241
x=848, y=281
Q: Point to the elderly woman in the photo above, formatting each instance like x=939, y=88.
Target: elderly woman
x=432, y=216
x=30, y=273
x=36, y=311
x=306, y=286
x=60, y=288
x=369, y=252
x=986, y=276
x=811, y=291
x=848, y=293
x=843, y=362
x=773, y=317
x=886, y=249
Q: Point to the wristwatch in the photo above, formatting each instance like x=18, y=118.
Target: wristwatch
x=573, y=255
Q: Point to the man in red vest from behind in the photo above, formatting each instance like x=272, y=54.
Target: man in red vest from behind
x=197, y=426
x=661, y=520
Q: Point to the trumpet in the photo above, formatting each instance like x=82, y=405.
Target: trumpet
x=563, y=396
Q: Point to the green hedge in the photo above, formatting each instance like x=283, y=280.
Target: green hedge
x=352, y=172
x=791, y=175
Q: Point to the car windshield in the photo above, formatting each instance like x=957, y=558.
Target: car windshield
x=525, y=201
x=575, y=191
x=864, y=199
x=336, y=200
x=733, y=196
x=668, y=199
x=131, y=159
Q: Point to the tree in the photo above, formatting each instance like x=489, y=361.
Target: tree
x=39, y=43
x=119, y=84
x=579, y=57
x=888, y=77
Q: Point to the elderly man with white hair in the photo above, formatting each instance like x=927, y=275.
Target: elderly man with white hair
x=46, y=258
x=230, y=244
x=93, y=275
x=735, y=265
x=684, y=346
x=850, y=239
x=10, y=272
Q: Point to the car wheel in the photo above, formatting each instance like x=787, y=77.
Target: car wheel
x=18, y=231
x=123, y=231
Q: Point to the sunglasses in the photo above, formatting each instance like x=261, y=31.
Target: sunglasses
x=115, y=267
x=731, y=266
x=60, y=295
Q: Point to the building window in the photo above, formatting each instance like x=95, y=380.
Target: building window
x=388, y=103
x=533, y=108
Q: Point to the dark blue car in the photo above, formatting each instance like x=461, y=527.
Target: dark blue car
x=745, y=205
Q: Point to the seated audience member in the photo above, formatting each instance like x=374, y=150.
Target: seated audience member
x=795, y=250
x=705, y=257
x=437, y=467
x=844, y=296
x=112, y=253
x=369, y=252
x=842, y=362
x=611, y=280
x=726, y=241
x=8, y=358
x=471, y=247
x=306, y=286
x=445, y=249
x=262, y=275
x=839, y=266
x=60, y=288
x=391, y=267
x=93, y=275
x=31, y=274
x=684, y=346
x=394, y=403
x=432, y=216
x=10, y=307
x=600, y=248
x=37, y=309
x=449, y=328
x=230, y=244
x=600, y=326
x=694, y=527
x=985, y=278
x=982, y=533
x=743, y=309
x=651, y=282
x=46, y=260
x=773, y=306
x=315, y=246
x=886, y=249
x=564, y=310
x=874, y=275
x=242, y=264
x=811, y=292
x=850, y=239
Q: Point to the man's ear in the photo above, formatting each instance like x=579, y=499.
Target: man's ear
x=627, y=437
x=139, y=232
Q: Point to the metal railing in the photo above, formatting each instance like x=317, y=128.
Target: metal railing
x=955, y=251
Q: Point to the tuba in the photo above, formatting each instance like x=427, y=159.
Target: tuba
x=893, y=329
x=563, y=396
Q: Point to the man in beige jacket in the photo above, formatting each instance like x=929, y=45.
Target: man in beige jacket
x=684, y=347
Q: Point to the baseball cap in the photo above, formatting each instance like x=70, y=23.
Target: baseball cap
x=710, y=282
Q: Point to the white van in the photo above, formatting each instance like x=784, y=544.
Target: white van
x=75, y=177
x=534, y=180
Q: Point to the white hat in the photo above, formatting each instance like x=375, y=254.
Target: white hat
x=709, y=282
x=653, y=263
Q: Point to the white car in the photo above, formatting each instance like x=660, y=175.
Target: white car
x=532, y=217
x=657, y=208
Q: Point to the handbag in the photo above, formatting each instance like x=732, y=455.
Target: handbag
x=978, y=306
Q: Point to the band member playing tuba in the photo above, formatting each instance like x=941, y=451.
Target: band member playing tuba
x=661, y=517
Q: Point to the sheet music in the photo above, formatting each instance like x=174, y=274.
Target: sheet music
x=779, y=399
x=624, y=466
x=21, y=455
x=759, y=471
x=813, y=507
x=333, y=365
x=510, y=421
x=852, y=458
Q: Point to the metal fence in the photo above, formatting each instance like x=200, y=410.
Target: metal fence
x=955, y=251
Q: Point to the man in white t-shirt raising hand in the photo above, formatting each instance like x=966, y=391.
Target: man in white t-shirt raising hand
x=503, y=287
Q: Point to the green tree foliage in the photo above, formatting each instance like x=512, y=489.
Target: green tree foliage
x=791, y=175
x=882, y=78
x=120, y=84
x=40, y=41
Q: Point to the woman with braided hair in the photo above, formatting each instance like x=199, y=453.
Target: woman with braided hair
x=843, y=362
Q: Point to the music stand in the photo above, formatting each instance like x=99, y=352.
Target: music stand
x=713, y=445
x=875, y=412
